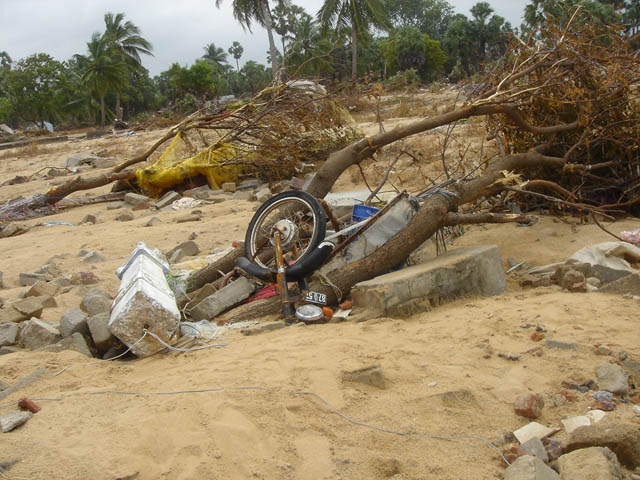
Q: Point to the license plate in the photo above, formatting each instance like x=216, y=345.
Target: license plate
x=315, y=297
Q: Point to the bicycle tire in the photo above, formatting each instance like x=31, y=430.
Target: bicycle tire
x=293, y=197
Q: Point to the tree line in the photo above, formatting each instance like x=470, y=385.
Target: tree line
x=393, y=41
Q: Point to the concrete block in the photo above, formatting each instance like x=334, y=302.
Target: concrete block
x=11, y=315
x=144, y=302
x=529, y=468
x=75, y=342
x=29, y=307
x=223, y=299
x=592, y=463
x=74, y=320
x=96, y=302
x=459, y=273
x=263, y=194
x=8, y=334
x=229, y=187
x=244, y=195
x=27, y=279
x=167, y=199
x=14, y=419
x=189, y=248
x=37, y=334
x=78, y=159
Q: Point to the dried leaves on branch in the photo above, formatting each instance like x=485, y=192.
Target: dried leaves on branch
x=585, y=73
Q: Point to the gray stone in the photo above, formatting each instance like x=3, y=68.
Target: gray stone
x=561, y=345
x=248, y=184
x=176, y=256
x=633, y=368
x=47, y=301
x=11, y=315
x=535, y=448
x=92, y=257
x=225, y=298
x=135, y=199
x=36, y=333
x=74, y=320
x=592, y=463
x=594, y=282
x=116, y=205
x=612, y=378
x=189, y=218
x=29, y=307
x=63, y=282
x=263, y=328
x=627, y=284
x=28, y=279
x=189, y=248
x=51, y=269
x=167, y=199
x=371, y=375
x=96, y=302
x=12, y=229
x=263, y=195
x=125, y=217
x=78, y=159
x=154, y=221
x=100, y=333
x=8, y=350
x=243, y=195
x=622, y=439
x=8, y=334
x=459, y=273
x=75, y=342
x=41, y=289
x=84, y=278
x=101, y=162
x=529, y=468
x=229, y=187
x=199, y=193
x=92, y=219
x=13, y=419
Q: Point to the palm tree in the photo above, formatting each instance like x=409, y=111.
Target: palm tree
x=217, y=56
x=104, y=70
x=236, y=50
x=247, y=11
x=125, y=38
x=356, y=14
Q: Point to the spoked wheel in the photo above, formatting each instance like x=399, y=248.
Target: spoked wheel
x=299, y=220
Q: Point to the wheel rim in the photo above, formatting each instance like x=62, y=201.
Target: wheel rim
x=296, y=221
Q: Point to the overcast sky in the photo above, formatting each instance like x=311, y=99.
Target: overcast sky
x=178, y=30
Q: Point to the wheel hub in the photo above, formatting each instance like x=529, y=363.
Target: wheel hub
x=287, y=230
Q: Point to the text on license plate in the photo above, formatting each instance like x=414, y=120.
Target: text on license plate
x=315, y=297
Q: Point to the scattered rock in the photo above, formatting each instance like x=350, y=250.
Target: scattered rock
x=189, y=218
x=594, y=282
x=92, y=257
x=243, y=195
x=554, y=449
x=229, y=187
x=8, y=350
x=561, y=345
x=47, y=301
x=611, y=377
x=263, y=195
x=531, y=430
x=529, y=468
x=534, y=281
x=135, y=199
x=75, y=342
x=36, y=333
x=514, y=357
x=602, y=350
x=622, y=439
x=125, y=216
x=12, y=230
x=534, y=447
x=96, y=302
x=73, y=321
x=154, y=221
x=592, y=463
x=100, y=333
x=84, y=278
x=101, y=162
x=167, y=199
x=29, y=307
x=92, y=219
x=570, y=278
x=116, y=205
x=28, y=279
x=176, y=256
x=529, y=405
x=558, y=400
x=13, y=419
x=537, y=336
x=11, y=315
x=41, y=289
x=225, y=298
x=8, y=334
x=572, y=423
x=371, y=375
x=189, y=249
x=78, y=159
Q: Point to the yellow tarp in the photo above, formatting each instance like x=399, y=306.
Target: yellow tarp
x=173, y=169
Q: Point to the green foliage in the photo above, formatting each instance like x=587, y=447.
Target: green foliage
x=216, y=56
x=236, y=51
x=429, y=16
x=408, y=48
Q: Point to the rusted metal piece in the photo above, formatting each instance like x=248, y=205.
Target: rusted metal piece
x=30, y=405
x=282, y=280
x=332, y=218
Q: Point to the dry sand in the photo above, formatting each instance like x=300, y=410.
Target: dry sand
x=108, y=420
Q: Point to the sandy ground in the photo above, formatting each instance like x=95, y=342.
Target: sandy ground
x=250, y=410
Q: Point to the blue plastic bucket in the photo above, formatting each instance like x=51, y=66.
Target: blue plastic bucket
x=362, y=212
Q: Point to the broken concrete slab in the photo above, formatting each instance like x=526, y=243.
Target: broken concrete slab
x=535, y=448
x=593, y=463
x=189, y=249
x=225, y=298
x=167, y=199
x=135, y=198
x=629, y=284
x=27, y=279
x=459, y=273
x=29, y=307
x=96, y=302
x=73, y=320
x=41, y=288
x=611, y=378
x=75, y=342
x=144, y=303
x=529, y=468
x=78, y=159
x=36, y=333
x=531, y=430
x=11, y=315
